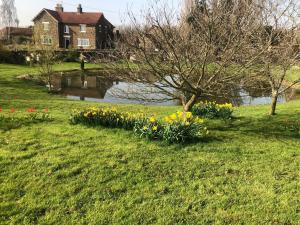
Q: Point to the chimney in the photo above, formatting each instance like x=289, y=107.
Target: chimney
x=79, y=9
x=59, y=8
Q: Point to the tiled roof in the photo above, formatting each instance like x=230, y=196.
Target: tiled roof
x=90, y=18
x=76, y=18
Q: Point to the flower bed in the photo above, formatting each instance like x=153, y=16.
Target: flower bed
x=177, y=128
x=212, y=110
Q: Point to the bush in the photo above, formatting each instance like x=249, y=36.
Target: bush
x=69, y=56
x=177, y=128
x=12, y=57
x=212, y=110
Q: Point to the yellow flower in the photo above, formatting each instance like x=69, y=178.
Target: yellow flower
x=199, y=120
x=145, y=128
x=187, y=123
x=167, y=119
x=154, y=128
x=173, y=116
x=180, y=114
x=152, y=119
x=189, y=115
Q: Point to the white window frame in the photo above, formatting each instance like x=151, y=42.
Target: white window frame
x=82, y=28
x=83, y=42
x=46, y=40
x=46, y=26
x=66, y=29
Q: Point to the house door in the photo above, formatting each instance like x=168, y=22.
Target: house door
x=67, y=43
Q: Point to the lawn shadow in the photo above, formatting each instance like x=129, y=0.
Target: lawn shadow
x=282, y=125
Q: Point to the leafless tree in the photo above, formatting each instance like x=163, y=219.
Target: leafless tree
x=277, y=40
x=46, y=58
x=186, y=64
x=8, y=15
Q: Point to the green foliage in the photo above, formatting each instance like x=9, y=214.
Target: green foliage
x=183, y=128
x=149, y=128
x=178, y=128
x=12, y=121
x=107, y=117
x=69, y=56
x=7, y=56
x=247, y=172
x=212, y=110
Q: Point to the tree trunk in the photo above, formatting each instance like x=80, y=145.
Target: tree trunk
x=274, y=104
x=50, y=82
x=187, y=106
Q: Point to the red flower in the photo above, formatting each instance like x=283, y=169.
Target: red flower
x=46, y=110
x=12, y=110
x=0, y=109
x=31, y=110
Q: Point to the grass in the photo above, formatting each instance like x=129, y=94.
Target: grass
x=246, y=172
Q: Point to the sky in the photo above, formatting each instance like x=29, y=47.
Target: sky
x=114, y=10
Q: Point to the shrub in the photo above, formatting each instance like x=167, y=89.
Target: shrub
x=13, y=57
x=69, y=56
x=212, y=110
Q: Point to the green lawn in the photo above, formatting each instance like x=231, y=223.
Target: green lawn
x=247, y=171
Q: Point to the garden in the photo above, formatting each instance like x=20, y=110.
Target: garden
x=67, y=162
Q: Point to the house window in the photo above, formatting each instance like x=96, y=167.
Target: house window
x=46, y=40
x=82, y=27
x=46, y=26
x=100, y=28
x=67, y=29
x=82, y=42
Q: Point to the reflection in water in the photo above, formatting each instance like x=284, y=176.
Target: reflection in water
x=99, y=89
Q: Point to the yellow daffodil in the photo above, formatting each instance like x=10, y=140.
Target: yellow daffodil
x=167, y=119
x=145, y=128
x=189, y=115
x=152, y=119
x=155, y=128
x=173, y=116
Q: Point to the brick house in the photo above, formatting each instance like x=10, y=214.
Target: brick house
x=73, y=30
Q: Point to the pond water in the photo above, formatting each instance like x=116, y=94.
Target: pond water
x=99, y=89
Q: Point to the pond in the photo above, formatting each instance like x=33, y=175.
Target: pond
x=97, y=88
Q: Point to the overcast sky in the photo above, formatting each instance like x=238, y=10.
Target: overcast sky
x=113, y=10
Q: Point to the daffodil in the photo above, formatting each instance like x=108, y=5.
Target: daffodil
x=189, y=115
x=152, y=119
x=145, y=128
x=173, y=116
x=167, y=119
x=155, y=128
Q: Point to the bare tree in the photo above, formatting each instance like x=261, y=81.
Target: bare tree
x=8, y=15
x=46, y=58
x=207, y=59
x=278, y=42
